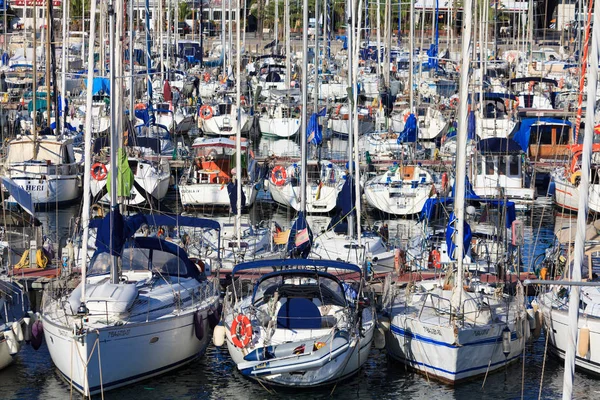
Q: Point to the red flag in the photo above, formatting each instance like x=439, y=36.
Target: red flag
x=167, y=95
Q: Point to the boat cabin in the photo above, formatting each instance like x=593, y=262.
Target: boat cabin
x=497, y=170
x=545, y=138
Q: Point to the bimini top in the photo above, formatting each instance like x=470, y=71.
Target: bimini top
x=295, y=262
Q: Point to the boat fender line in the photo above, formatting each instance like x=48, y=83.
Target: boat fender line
x=206, y=112
x=219, y=335
x=241, y=331
x=278, y=175
x=199, y=325
x=99, y=171
x=213, y=317
x=37, y=334
x=434, y=259
x=583, y=343
x=337, y=110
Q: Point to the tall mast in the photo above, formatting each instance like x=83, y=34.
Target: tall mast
x=238, y=138
x=131, y=58
x=48, y=67
x=288, y=70
x=351, y=90
x=63, y=83
x=355, y=122
x=316, y=91
x=87, y=140
x=114, y=273
x=223, y=32
x=592, y=80
x=35, y=78
x=303, y=144
x=411, y=48
x=148, y=54
x=461, y=158
x=275, y=48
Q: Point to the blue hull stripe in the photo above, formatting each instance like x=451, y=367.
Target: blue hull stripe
x=401, y=332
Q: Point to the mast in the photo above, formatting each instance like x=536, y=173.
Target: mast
x=461, y=159
x=378, y=40
x=223, y=33
x=63, y=83
x=48, y=67
x=238, y=138
x=355, y=122
x=131, y=70
x=411, y=47
x=316, y=91
x=579, y=255
x=275, y=48
x=87, y=166
x=114, y=272
x=34, y=83
x=148, y=54
x=303, y=144
x=161, y=52
x=351, y=90
x=288, y=69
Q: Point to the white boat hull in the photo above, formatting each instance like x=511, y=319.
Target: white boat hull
x=49, y=190
x=121, y=355
x=406, y=202
x=209, y=194
x=317, y=200
x=279, y=127
x=566, y=195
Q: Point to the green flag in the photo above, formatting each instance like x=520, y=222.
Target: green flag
x=125, y=177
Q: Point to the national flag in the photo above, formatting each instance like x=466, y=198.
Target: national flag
x=301, y=237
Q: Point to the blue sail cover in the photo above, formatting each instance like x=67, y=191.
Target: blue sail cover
x=469, y=192
x=430, y=204
x=344, y=205
x=299, y=250
x=118, y=232
x=450, y=231
x=471, y=126
x=100, y=84
x=409, y=133
x=232, y=192
x=523, y=132
x=314, y=132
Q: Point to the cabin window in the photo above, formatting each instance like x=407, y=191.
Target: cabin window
x=562, y=134
x=479, y=164
x=489, y=165
x=217, y=15
x=168, y=263
x=501, y=165
x=541, y=134
x=135, y=259
x=514, y=165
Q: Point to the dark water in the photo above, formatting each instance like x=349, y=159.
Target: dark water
x=214, y=376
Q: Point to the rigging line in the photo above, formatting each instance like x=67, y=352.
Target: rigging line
x=543, y=364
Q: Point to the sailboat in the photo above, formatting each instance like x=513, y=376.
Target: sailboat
x=142, y=307
x=439, y=328
x=570, y=337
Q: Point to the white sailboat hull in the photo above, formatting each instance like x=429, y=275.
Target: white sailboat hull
x=566, y=195
x=226, y=125
x=317, y=200
x=48, y=189
x=120, y=355
x=280, y=127
x=209, y=194
x=407, y=201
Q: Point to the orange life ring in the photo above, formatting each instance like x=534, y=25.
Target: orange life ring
x=99, y=171
x=454, y=102
x=405, y=116
x=241, y=331
x=206, y=112
x=140, y=106
x=561, y=83
x=278, y=175
x=206, y=77
x=434, y=259
x=243, y=100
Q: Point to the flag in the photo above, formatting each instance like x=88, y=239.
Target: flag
x=301, y=237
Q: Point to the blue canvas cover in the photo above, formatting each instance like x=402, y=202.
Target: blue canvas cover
x=409, y=133
x=302, y=250
x=523, y=132
x=450, y=231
